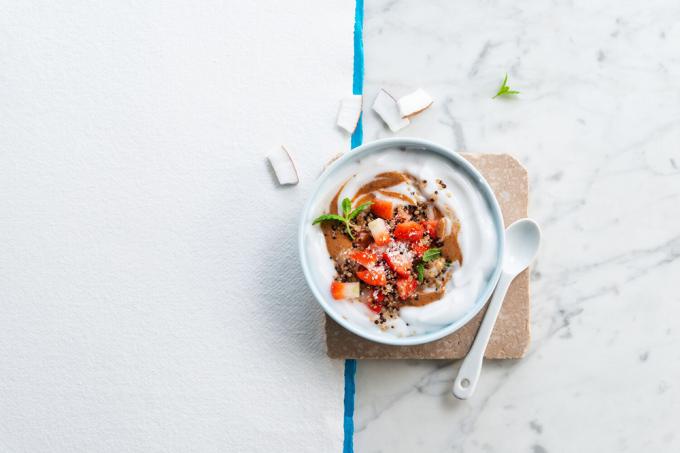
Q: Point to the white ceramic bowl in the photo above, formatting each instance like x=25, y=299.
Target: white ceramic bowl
x=421, y=146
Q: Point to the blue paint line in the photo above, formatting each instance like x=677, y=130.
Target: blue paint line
x=350, y=371
x=357, y=139
x=358, y=73
x=358, y=135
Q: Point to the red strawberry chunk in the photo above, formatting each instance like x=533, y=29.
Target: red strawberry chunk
x=431, y=227
x=382, y=209
x=409, y=231
x=375, y=308
x=399, y=262
x=375, y=303
x=406, y=287
x=363, y=257
x=374, y=276
x=340, y=290
x=420, y=247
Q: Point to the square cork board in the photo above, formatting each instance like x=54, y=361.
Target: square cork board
x=511, y=335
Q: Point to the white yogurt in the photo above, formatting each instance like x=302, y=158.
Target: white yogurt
x=477, y=239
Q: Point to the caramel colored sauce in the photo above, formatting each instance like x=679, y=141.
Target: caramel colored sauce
x=365, y=199
x=333, y=208
x=451, y=248
x=425, y=298
x=398, y=195
x=381, y=181
x=337, y=243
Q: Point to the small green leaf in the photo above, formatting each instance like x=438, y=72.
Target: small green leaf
x=505, y=89
x=346, y=207
x=432, y=254
x=358, y=210
x=420, y=268
x=348, y=215
x=321, y=218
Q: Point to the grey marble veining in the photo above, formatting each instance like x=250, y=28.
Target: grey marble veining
x=597, y=124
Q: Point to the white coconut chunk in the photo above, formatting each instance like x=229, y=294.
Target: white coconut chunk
x=351, y=290
x=349, y=113
x=283, y=165
x=386, y=108
x=414, y=103
x=379, y=231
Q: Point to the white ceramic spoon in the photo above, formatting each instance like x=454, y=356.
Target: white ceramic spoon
x=521, y=244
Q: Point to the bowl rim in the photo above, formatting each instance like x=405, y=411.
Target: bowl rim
x=481, y=183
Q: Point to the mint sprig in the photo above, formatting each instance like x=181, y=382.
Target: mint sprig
x=347, y=215
x=420, y=268
x=432, y=254
x=505, y=90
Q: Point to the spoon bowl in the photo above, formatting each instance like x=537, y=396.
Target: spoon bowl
x=521, y=245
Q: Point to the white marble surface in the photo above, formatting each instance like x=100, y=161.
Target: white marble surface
x=598, y=127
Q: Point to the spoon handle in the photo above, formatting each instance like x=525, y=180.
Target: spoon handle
x=468, y=374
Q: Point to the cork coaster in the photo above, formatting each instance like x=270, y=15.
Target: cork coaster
x=511, y=335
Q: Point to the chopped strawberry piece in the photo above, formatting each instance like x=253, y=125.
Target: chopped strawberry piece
x=375, y=308
x=365, y=258
x=399, y=263
x=375, y=303
x=419, y=248
x=379, y=231
x=340, y=290
x=374, y=277
x=406, y=287
x=431, y=227
x=382, y=209
x=409, y=231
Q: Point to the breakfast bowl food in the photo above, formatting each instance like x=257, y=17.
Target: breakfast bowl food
x=401, y=241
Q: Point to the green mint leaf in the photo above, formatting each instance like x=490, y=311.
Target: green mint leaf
x=505, y=89
x=420, y=268
x=431, y=254
x=346, y=207
x=358, y=210
x=321, y=218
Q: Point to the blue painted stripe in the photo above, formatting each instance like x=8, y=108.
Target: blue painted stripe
x=358, y=77
x=357, y=138
x=350, y=371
